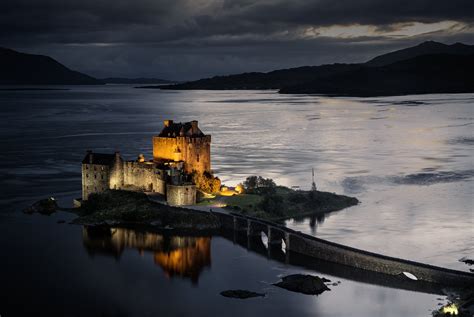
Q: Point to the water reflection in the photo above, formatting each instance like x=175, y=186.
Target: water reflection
x=188, y=256
x=313, y=220
x=182, y=256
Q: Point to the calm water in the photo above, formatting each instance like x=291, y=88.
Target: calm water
x=408, y=159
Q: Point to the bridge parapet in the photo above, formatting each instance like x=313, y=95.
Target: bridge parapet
x=317, y=248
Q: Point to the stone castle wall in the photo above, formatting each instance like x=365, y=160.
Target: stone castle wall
x=116, y=180
x=194, y=151
x=181, y=195
x=145, y=176
x=95, y=179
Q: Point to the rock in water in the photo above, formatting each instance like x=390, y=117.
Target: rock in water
x=43, y=206
x=306, y=284
x=466, y=260
x=242, y=294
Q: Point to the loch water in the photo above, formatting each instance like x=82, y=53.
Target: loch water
x=408, y=159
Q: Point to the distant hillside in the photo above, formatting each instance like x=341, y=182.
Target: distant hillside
x=437, y=73
x=28, y=69
x=304, y=79
x=272, y=80
x=121, y=80
x=425, y=48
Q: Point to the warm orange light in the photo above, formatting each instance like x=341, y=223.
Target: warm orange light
x=187, y=261
x=451, y=309
x=239, y=188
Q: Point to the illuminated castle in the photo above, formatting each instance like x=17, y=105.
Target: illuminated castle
x=183, y=142
x=179, y=150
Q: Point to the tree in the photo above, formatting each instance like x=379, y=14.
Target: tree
x=259, y=185
x=206, y=182
x=250, y=183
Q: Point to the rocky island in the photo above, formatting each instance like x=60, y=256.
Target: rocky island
x=180, y=174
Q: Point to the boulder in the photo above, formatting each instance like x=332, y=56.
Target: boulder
x=241, y=294
x=44, y=206
x=305, y=284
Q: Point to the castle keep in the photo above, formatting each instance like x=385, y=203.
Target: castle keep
x=179, y=150
x=183, y=142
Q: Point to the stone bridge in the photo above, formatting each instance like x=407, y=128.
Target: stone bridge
x=297, y=248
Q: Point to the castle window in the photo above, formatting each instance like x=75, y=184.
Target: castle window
x=101, y=176
x=95, y=176
x=197, y=158
x=87, y=167
x=87, y=175
x=102, y=168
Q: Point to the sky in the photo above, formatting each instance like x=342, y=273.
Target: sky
x=191, y=39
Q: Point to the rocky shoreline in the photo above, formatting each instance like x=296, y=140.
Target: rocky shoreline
x=117, y=207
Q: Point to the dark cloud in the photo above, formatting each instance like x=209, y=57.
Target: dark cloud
x=193, y=38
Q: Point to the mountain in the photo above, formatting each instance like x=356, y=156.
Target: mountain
x=121, y=80
x=28, y=69
x=436, y=73
x=425, y=48
x=272, y=80
x=386, y=74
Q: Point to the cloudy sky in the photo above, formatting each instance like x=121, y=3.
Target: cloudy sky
x=190, y=39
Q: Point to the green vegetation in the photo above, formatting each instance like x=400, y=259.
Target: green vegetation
x=259, y=185
x=264, y=199
x=206, y=182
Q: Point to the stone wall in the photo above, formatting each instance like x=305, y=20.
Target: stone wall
x=95, y=179
x=116, y=179
x=194, y=151
x=317, y=248
x=144, y=175
x=181, y=195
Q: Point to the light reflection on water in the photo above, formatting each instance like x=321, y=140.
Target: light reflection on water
x=408, y=159
x=176, y=255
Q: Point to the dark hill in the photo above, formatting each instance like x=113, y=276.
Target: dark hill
x=272, y=80
x=425, y=48
x=438, y=73
x=28, y=69
x=304, y=79
x=121, y=80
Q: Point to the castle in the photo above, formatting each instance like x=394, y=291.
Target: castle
x=179, y=150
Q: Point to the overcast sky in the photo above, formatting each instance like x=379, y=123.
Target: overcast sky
x=190, y=39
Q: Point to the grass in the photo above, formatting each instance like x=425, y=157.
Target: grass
x=284, y=203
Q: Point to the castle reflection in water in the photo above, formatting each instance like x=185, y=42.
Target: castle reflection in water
x=176, y=255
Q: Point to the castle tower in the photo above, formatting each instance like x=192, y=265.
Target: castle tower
x=116, y=180
x=183, y=142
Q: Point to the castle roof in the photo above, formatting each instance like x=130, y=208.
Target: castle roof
x=172, y=129
x=98, y=158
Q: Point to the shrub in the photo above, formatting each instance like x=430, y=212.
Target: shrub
x=259, y=185
x=206, y=182
x=272, y=204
